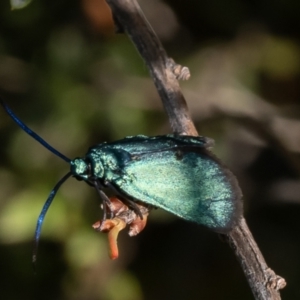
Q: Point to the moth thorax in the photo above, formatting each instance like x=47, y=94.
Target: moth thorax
x=97, y=168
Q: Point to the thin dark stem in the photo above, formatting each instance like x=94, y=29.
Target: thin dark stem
x=264, y=283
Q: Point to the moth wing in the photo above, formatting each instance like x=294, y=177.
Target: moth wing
x=188, y=182
x=140, y=144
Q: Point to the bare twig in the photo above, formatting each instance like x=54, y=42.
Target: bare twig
x=265, y=284
x=263, y=281
x=130, y=19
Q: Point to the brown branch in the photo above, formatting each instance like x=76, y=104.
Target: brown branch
x=265, y=284
x=130, y=19
x=263, y=281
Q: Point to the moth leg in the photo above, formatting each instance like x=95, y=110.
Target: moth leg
x=130, y=203
x=105, y=201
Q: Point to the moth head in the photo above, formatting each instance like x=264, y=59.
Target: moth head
x=80, y=168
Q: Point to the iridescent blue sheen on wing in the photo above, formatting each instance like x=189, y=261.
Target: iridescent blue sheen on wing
x=176, y=173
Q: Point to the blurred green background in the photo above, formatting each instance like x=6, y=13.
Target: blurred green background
x=71, y=79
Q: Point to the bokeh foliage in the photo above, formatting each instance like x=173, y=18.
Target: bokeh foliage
x=67, y=76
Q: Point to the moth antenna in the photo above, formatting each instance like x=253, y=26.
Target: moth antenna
x=42, y=216
x=32, y=133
